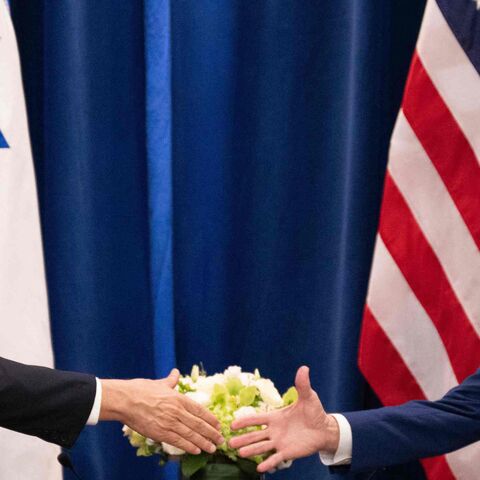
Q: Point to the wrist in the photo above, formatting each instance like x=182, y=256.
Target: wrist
x=116, y=400
x=331, y=436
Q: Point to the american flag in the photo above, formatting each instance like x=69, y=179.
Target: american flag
x=421, y=327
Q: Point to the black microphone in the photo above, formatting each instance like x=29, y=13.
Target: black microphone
x=65, y=461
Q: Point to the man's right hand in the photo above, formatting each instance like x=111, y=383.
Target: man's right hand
x=154, y=409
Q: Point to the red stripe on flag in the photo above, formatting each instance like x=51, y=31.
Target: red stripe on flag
x=383, y=367
x=384, y=370
x=445, y=144
x=422, y=270
x=437, y=468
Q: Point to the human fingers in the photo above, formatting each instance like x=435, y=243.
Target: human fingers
x=198, y=411
x=271, y=462
x=248, y=438
x=176, y=440
x=172, y=380
x=193, y=437
x=200, y=426
x=253, y=421
x=302, y=383
x=257, y=449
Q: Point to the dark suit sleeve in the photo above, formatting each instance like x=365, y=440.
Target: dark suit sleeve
x=49, y=404
x=419, y=429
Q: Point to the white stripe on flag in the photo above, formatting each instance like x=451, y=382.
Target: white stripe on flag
x=437, y=216
x=400, y=314
x=24, y=320
x=451, y=72
x=464, y=462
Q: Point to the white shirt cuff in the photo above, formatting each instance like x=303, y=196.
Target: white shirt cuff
x=343, y=455
x=95, y=413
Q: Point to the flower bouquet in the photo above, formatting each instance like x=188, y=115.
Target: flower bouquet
x=229, y=396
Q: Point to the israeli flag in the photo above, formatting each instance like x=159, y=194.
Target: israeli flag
x=24, y=320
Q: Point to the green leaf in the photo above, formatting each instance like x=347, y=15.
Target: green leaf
x=247, y=396
x=184, y=387
x=234, y=385
x=136, y=440
x=219, y=394
x=290, y=396
x=191, y=464
x=247, y=466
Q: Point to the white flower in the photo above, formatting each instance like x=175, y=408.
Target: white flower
x=127, y=431
x=243, y=412
x=206, y=384
x=247, y=379
x=264, y=407
x=268, y=392
x=171, y=450
x=187, y=381
x=202, y=398
x=233, y=372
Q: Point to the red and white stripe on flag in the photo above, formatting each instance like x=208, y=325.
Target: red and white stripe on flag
x=421, y=327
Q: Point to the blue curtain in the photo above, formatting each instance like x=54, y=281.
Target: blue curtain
x=210, y=176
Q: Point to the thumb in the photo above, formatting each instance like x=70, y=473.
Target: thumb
x=302, y=383
x=173, y=378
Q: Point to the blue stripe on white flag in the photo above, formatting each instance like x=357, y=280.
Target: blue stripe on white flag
x=3, y=141
x=463, y=17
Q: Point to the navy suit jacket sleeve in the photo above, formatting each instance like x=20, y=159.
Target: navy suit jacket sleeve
x=49, y=404
x=419, y=429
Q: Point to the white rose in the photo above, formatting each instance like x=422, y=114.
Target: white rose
x=202, y=398
x=233, y=372
x=268, y=392
x=247, y=379
x=206, y=384
x=244, y=412
x=171, y=450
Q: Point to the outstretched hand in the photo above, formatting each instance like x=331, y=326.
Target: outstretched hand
x=299, y=430
x=154, y=409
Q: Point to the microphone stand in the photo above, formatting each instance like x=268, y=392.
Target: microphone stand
x=65, y=460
